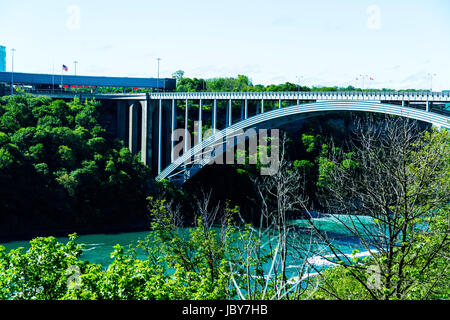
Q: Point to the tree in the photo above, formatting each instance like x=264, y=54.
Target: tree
x=178, y=75
x=392, y=192
x=281, y=196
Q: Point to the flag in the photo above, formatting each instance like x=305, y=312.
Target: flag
x=371, y=78
x=64, y=67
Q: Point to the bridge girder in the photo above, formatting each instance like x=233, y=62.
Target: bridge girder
x=184, y=167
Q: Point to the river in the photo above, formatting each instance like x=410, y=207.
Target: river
x=98, y=247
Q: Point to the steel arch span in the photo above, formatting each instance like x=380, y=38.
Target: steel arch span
x=184, y=167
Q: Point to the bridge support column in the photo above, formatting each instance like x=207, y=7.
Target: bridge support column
x=159, y=135
x=227, y=114
x=246, y=109
x=133, y=127
x=262, y=105
x=279, y=103
x=428, y=106
x=242, y=110
x=122, y=121
x=144, y=132
x=200, y=121
x=186, y=126
x=172, y=130
x=214, y=117
x=150, y=124
x=230, y=113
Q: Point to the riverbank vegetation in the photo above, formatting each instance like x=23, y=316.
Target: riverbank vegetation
x=59, y=169
x=385, y=179
x=390, y=192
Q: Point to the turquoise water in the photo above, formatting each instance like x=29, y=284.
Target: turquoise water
x=98, y=247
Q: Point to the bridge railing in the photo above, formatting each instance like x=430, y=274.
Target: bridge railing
x=294, y=94
x=274, y=95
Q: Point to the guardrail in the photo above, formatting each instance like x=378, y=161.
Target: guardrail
x=439, y=120
x=283, y=95
x=304, y=93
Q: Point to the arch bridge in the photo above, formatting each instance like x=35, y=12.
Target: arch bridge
x=148, y=123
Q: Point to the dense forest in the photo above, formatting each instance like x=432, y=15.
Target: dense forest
x=60, y=170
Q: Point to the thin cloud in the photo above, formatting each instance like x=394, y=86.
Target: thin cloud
x=105, y=47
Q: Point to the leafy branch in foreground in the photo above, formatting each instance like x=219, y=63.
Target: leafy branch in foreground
x=400, y=182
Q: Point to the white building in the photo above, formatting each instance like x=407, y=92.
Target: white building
x=2, y=59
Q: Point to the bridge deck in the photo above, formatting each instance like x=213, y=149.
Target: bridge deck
x=416, y=96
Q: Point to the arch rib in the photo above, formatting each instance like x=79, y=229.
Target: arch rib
x=322, y=106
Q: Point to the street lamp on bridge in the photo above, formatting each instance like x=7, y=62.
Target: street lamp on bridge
x=298, y=80
x=75, y=63
x=431, y=75
x=157, y=82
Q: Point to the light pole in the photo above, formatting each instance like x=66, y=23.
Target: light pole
x=363, y=76
x=157, y=82
x=12, y=71
x=75, y=62
x=431, y=75
x=298, y=80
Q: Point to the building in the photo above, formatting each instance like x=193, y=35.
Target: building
x=2, y=59
x=37, y=82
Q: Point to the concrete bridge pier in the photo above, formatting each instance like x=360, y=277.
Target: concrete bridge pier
x=144, y=131
x=214, y=117
x=164, y=124
x=229, y=115
x=122, y=109
x=245, y=108
x=200, y=121
x=173, y=127
x=133, y=127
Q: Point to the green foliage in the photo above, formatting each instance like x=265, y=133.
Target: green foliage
x=414, y=247
x=191, y=85
x=243, y=83
x=325, y=168
x=54, y=154
x=198, y=259
x=178, y=75
x=40, y=273
x=190, y=266
x=309, y=141
x=4, y=138
x=303, y=165
x=426, y=280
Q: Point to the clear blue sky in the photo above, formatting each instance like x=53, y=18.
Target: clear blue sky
x=328, y=42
